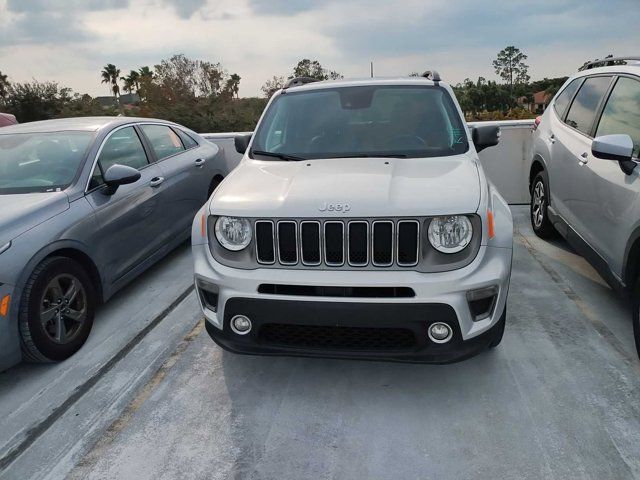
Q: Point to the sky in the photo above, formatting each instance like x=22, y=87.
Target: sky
x=69, y=41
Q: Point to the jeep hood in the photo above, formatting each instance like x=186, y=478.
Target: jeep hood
x=364, y=187
x=22, y=212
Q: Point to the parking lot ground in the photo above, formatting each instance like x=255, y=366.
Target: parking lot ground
x=558, y=399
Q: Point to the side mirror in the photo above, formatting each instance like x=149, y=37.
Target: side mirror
x=117, y=175
x=615, y=147
x=485, y=136
x=242, y=142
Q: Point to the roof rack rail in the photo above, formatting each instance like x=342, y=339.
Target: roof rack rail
x=297, y=81
x=432, y=75
x=608, y=61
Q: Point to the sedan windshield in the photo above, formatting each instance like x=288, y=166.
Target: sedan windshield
x=40, y=162
x=365, y=121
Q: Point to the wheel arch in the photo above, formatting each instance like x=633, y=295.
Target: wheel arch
x=75, y=251
x=631, y=272
x=215, y=181
x=537, y=165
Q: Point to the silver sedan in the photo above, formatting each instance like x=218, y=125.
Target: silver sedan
x=86, y=205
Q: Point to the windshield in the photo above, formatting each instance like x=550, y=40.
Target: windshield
x=40, y=162
x=365, y=121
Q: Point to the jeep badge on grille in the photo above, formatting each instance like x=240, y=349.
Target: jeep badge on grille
x=334, y=207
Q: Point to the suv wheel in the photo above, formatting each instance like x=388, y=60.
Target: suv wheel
x=636, y=317
x=56, y=310
x=540, y=222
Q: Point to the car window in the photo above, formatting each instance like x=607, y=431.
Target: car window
x=565, y=96
x=124, y=148
x=164, y=141
x=622, y=112
x=187, y=140
x=582, y=111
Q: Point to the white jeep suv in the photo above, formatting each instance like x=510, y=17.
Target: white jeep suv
x=358, y=224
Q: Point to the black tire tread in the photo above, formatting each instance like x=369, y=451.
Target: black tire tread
x=30, y=352
x=546, y=230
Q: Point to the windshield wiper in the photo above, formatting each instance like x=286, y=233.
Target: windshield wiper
x=281, y=156
x=373, y=155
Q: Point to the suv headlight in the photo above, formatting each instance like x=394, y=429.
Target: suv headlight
x=233, y=233
x=450, y=234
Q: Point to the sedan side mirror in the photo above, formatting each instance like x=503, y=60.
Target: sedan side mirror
x=485, y=136
x=117, y=175
x=615, y=147
x=242, y=142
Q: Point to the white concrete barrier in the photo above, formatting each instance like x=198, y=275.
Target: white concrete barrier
x=507, y=164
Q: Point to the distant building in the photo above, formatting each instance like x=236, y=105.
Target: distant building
x=538, y=105
x=126, y=100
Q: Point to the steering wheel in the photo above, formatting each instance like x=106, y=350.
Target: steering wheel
x=407, y=140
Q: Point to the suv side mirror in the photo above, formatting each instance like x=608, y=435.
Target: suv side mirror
x=485, y=136
x=117, y=175
x=242, y=142
x=615, y=147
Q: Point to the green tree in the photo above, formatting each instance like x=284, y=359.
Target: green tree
x=273, y=85
x=313, y=69
x=4, y=85
x=510, y=66
x=232, y=86
x=35, y=100
x=131, y=81
x=110, y=74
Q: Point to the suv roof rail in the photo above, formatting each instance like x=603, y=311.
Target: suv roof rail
x=297, y=81
x=608, y=61
x=432, y=75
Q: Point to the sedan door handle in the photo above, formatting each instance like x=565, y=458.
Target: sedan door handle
x=156, y=181
x=200, y=162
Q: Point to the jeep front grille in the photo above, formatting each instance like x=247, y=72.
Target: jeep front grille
x=334, y=243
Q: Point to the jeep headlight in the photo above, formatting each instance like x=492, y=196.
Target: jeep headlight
x=450, y=234
x=233, y=233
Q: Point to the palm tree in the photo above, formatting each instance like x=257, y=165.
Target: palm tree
x=145, y=72
x=233, y=84
x=4, y=85
x=131, y=81
x=109, y=75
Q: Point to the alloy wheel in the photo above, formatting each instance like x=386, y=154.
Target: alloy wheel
x=63, y=308
x=537, y=211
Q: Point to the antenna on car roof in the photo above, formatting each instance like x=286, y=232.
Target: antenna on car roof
x=297, y=81
x=432, y=75
x=608, y=61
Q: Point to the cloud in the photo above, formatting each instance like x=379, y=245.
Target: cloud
x=68, y=7
x=285, y=7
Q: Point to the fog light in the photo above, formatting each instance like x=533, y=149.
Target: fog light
x=440, y=332
x=240, y=324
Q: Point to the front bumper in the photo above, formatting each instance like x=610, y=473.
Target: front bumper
x=438, y=297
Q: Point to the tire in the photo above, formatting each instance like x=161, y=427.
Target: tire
x=213, y=185
x=538, y=214
x=636, y=317
x=499, y=330
x=69, y=317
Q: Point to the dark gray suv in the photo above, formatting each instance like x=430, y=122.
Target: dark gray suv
x=584, y=177
x=86, y=205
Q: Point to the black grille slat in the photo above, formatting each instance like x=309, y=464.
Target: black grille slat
x=358, y=243
x=310, y=239
x=337, y=338
x=382, y=244
x=287, y=243
x=408, y=231
x=334, y=243
x=334, y=291
x=265, y=248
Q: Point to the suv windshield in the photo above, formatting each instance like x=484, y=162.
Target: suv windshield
x=40, y=162
x=364, y=121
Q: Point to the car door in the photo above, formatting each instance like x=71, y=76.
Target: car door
x=129, y=220
x=571, y=150
x=186, y=185
x=614, y=193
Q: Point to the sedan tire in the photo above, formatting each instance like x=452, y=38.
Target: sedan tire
x=540, y=222
x=56, y=310
x=636, y=317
